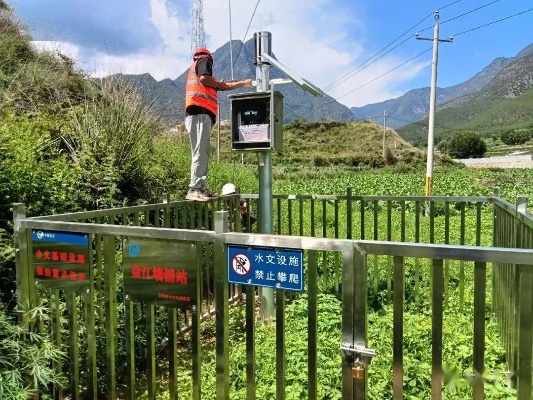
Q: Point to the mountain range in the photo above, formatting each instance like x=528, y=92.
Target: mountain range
x=504, y=103
x=414, y=104
x=168, y=96
x=503, y=75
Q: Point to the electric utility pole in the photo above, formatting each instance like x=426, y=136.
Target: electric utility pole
x=432, y=100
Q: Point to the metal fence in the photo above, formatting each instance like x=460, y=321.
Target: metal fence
x=396, y=226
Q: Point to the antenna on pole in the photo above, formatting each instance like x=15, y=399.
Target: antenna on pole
x=198, y=32
x=230, y=41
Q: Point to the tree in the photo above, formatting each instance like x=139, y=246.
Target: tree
x=466, y=145
x=516, y=136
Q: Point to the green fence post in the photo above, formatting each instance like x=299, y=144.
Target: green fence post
x=21, y=260
x=221, y=307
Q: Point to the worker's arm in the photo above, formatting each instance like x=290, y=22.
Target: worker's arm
x=221, y=85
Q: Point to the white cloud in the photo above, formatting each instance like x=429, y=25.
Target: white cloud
x=54, y=46
x=171, y=28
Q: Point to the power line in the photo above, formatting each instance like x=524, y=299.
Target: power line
x=462, y=15
x=493, y=22
x=365, y=64
x=245, y=33
x=367, y=83
x=354, y=71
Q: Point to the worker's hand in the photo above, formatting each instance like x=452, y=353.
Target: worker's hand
x=247, y=82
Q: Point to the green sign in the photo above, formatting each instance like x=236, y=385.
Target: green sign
x=160, y=272
x=61, y=260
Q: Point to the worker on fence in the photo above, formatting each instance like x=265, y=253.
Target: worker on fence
x=200, y=115
x=248, y=218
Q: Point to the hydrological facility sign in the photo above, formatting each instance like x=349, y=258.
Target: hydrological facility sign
x=61, y=259
x=160, y=272
x=267, y=267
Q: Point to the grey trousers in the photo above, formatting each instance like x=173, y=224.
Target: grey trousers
x=199, y=128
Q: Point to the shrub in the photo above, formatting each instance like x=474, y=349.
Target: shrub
x=466, y=145
x=26, y=359
x=515, y=137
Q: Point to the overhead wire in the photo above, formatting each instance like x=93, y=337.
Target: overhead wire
x=355, y=70
x=462, y=15
x=461, y=33
x=493, y=22
x=246, y=33
x=367, y=83
x=371, y=60
x=330, y=86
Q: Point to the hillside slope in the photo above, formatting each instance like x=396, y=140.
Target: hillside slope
x=505, y=102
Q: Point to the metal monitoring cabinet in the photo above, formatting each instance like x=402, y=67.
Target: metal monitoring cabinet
x=257, y=121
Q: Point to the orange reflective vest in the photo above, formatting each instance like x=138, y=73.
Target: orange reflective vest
x=197, y=94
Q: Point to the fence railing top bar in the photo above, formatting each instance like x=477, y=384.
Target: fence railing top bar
x=504, y=204
x=420, y=250
x=526, y=218
x=280, y=241
x=100, y=213
x=452, y=252
x=468, y=199
x=121, y=230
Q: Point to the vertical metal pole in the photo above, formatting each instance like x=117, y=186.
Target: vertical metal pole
x=230, y=40
x=218, y=131
x=432, y=105
x=265, y=168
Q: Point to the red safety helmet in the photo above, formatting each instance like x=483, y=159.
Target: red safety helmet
x=202, y=52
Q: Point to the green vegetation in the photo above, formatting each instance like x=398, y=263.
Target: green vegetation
x=464, y=145
x=485, y=114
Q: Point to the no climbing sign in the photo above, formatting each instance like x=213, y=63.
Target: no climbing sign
x=268, y=267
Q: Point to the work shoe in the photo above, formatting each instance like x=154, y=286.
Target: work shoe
x=200, y=195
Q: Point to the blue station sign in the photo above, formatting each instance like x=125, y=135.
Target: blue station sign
x=267, y=267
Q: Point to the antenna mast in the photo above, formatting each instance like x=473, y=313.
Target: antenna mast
x=198, y=32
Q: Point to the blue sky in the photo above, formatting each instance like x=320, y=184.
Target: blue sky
x=322, y=40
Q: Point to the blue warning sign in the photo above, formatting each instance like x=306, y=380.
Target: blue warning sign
x=267, y=267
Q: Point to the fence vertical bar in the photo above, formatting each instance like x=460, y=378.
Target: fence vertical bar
x=130, y=349
x=480, y=286
x=172, y=357
x=222, y=308
x=312, y=289
x=56, y=336
x=21, y=261
x=417, y=259
x=496, y=227
x=250, y=342
x=280, y=345
x=196, y=318
x=348, y=287
x=150, y=340
x=361, y=216
x=389, y=258
x=398, y=299
x=436, y=330
x=525, y=332
x=289, y=216
x=73, y=344
x=110, y=311
x=360, y=324
x=349, y=213
x=301, y=216
x=91, y=332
